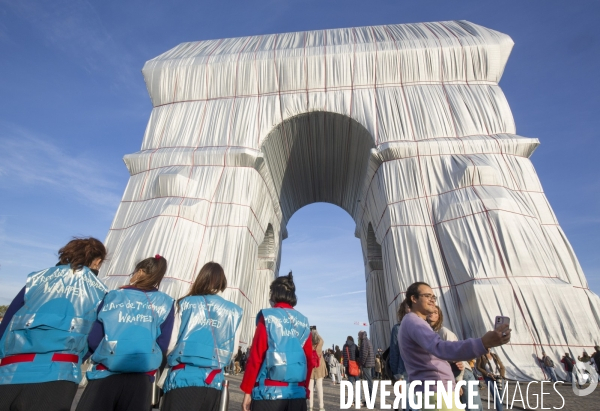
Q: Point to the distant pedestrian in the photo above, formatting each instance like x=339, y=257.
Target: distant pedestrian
x=318, y=372
x=367, y=358
x=243, y=361
x=350, y=353
x=238, y=361
x=548, y=366
x=596, y=358
x=584, y=357
x=334, y=367
x=340, y=357
x=568, y=363
x=492, y=369
x=378, y=366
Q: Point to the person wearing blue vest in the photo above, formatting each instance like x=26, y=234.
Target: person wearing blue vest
x=280, y=363
x=202, y=344
x=129, y=341
x=43, y=336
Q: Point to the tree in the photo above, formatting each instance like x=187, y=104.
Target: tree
x=3, y=309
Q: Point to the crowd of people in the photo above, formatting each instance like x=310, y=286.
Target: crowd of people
x=65, y=315
x=137, y=337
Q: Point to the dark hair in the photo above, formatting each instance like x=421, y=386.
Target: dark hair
x=437, y=325
x=283, y=290
x=210, y=280
x=350, y=338
x=402, y=310
x=154, y=268
x=413, y=289
x=80, y=252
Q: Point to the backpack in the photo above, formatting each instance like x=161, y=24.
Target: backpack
x=548, y=362
x=316, y=359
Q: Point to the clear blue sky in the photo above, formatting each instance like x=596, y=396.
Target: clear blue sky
x=73, y=102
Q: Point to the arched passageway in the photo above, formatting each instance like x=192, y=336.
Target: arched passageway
x=327, y=261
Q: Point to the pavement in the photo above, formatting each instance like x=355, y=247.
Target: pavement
x=563, y=398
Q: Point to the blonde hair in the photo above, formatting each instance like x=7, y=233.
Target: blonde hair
x=437, y=325
x=315, y=337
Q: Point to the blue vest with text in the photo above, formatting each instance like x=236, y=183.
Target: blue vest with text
x=58, y=314
x=205, y=342
x=285, y=360
x=131, y=319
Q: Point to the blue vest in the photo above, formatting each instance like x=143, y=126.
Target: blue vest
x=58, y=314
x=205, y=341
x=131, y=320
x=285, y=360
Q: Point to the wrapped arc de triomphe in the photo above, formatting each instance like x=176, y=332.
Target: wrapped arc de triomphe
x=405, y=128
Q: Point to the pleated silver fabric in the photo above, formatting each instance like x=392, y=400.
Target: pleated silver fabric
x=405, y=128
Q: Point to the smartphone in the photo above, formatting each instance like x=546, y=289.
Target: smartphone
x=500, y=320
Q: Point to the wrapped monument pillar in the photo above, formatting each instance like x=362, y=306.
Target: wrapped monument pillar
x=402, y=126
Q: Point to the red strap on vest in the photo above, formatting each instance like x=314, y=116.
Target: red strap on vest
x=209, y=378
x=56, y=357
x=65, y=358
x=17, y=358
x=274, y=383
x=212, y=376
x=102, y=367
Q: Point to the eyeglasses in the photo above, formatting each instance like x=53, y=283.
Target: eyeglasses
x=431, y=297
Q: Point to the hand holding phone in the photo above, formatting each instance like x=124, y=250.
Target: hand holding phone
x=500, y=320
x=500, y=335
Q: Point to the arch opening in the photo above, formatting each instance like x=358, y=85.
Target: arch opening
x=327, y=263
x=322, y=157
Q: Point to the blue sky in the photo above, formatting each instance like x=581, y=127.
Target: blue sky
x=73, y=102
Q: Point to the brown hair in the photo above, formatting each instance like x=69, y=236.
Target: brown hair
x=437, y=325
x=81, y=252
x=413, y=289
x=154, y=269
x=402, y=310
x=210, y=280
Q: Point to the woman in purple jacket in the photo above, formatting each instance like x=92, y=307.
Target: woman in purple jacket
x=425, y=354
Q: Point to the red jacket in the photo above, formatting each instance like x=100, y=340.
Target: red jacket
x=260, y=344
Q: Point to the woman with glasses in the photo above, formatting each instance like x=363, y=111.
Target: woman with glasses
x=424, y=352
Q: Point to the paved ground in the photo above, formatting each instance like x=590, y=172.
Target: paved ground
x=566, y=401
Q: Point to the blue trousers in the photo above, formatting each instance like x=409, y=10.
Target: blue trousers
x=469, y=376
x=491, y=383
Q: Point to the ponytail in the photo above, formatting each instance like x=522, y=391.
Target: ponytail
x=154, y=269
x=283, y=290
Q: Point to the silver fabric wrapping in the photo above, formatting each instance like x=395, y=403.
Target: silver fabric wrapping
x=405, y=128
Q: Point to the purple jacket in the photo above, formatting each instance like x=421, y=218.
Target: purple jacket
x=426, y=355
